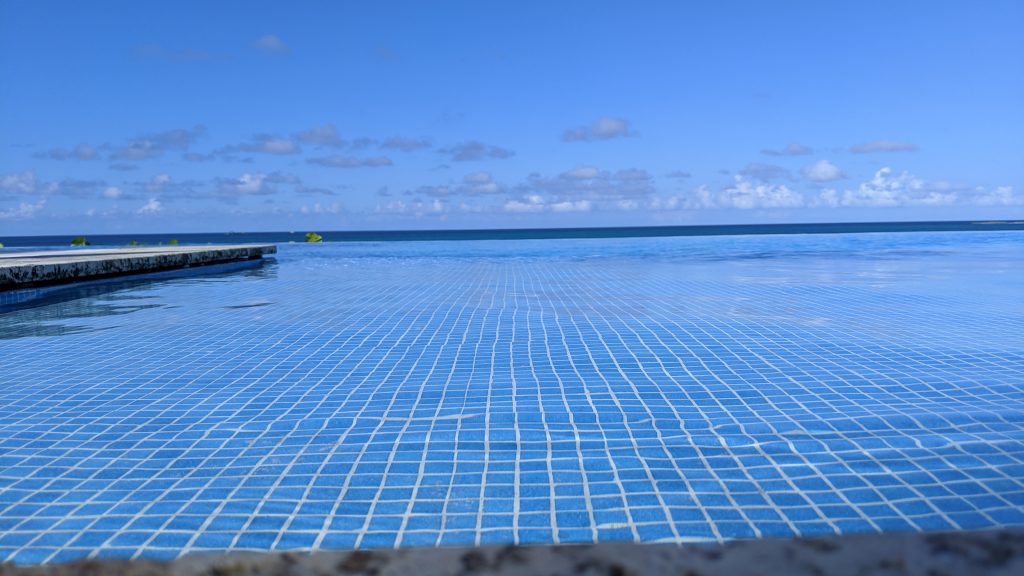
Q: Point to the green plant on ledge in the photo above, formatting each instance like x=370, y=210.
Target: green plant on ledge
x=314, y=237
x=79, y=241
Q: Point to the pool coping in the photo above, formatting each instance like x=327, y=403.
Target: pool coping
x=35, y=269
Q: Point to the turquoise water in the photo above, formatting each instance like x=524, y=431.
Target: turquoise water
x=660, y=389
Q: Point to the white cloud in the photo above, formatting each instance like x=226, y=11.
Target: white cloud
x=882, y=146
x=822, y=171
x=1001, y=196
x=604, y=128
x=20, y=182
x=531, y=203
x=676, y=202
x=159, y=182
x=886, y=189
x=414, y=208
x=113, y=192
x=744, y=195
x=568, y=206
x=250, y=183
x=24, y=210
x=317, y=208
x=152, y=207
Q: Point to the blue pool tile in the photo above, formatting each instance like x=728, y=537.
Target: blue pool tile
x=572, y=390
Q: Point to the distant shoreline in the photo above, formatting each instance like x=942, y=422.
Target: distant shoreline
x=521, y=233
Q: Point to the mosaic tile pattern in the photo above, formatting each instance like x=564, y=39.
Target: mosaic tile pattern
x=422, y=394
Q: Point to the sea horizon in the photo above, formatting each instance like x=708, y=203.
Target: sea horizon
x=456, y=234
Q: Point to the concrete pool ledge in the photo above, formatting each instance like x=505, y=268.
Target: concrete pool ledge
x=50, y=267
x=990, y=552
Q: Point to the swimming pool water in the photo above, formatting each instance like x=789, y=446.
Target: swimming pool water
x=439, y=393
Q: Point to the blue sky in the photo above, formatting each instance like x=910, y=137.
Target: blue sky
x=210, y=116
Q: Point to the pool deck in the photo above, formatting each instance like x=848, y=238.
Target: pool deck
x=49, y=267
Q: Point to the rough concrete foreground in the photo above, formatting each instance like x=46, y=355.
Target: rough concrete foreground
x=996, y=552
x=43, y=268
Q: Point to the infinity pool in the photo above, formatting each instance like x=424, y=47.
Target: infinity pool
x=361, y=395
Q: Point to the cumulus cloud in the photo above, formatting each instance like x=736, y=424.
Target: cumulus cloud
x=475, y=150
x=530, y=203
x=604, y=128
x=153, y=206
x=271, y=44
x=113, y=193
x=26, y=184
x=536, y=203
x=80, y=152
x=745, y=195
x=19, y=182
x=571, y=206
x=414, y=208
x=339, y=161
x=251, y=184
x=317, y=208
x=22, y=211
x=882, y=146
x=326, y=135
x=158, y=182
x=822, y=171
x=1001, y=196
x=230, y=190
x=792, y=149
x=406, y=144
x=764, y=172
x=887, y=189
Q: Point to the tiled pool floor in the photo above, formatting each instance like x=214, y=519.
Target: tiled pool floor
x=420, y=394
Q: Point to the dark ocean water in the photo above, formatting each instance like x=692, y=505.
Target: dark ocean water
x=516, y=234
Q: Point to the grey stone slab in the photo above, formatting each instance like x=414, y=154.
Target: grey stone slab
x=43, y=268
x=994, y=552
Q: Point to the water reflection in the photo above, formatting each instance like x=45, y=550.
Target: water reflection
x=49, y=314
